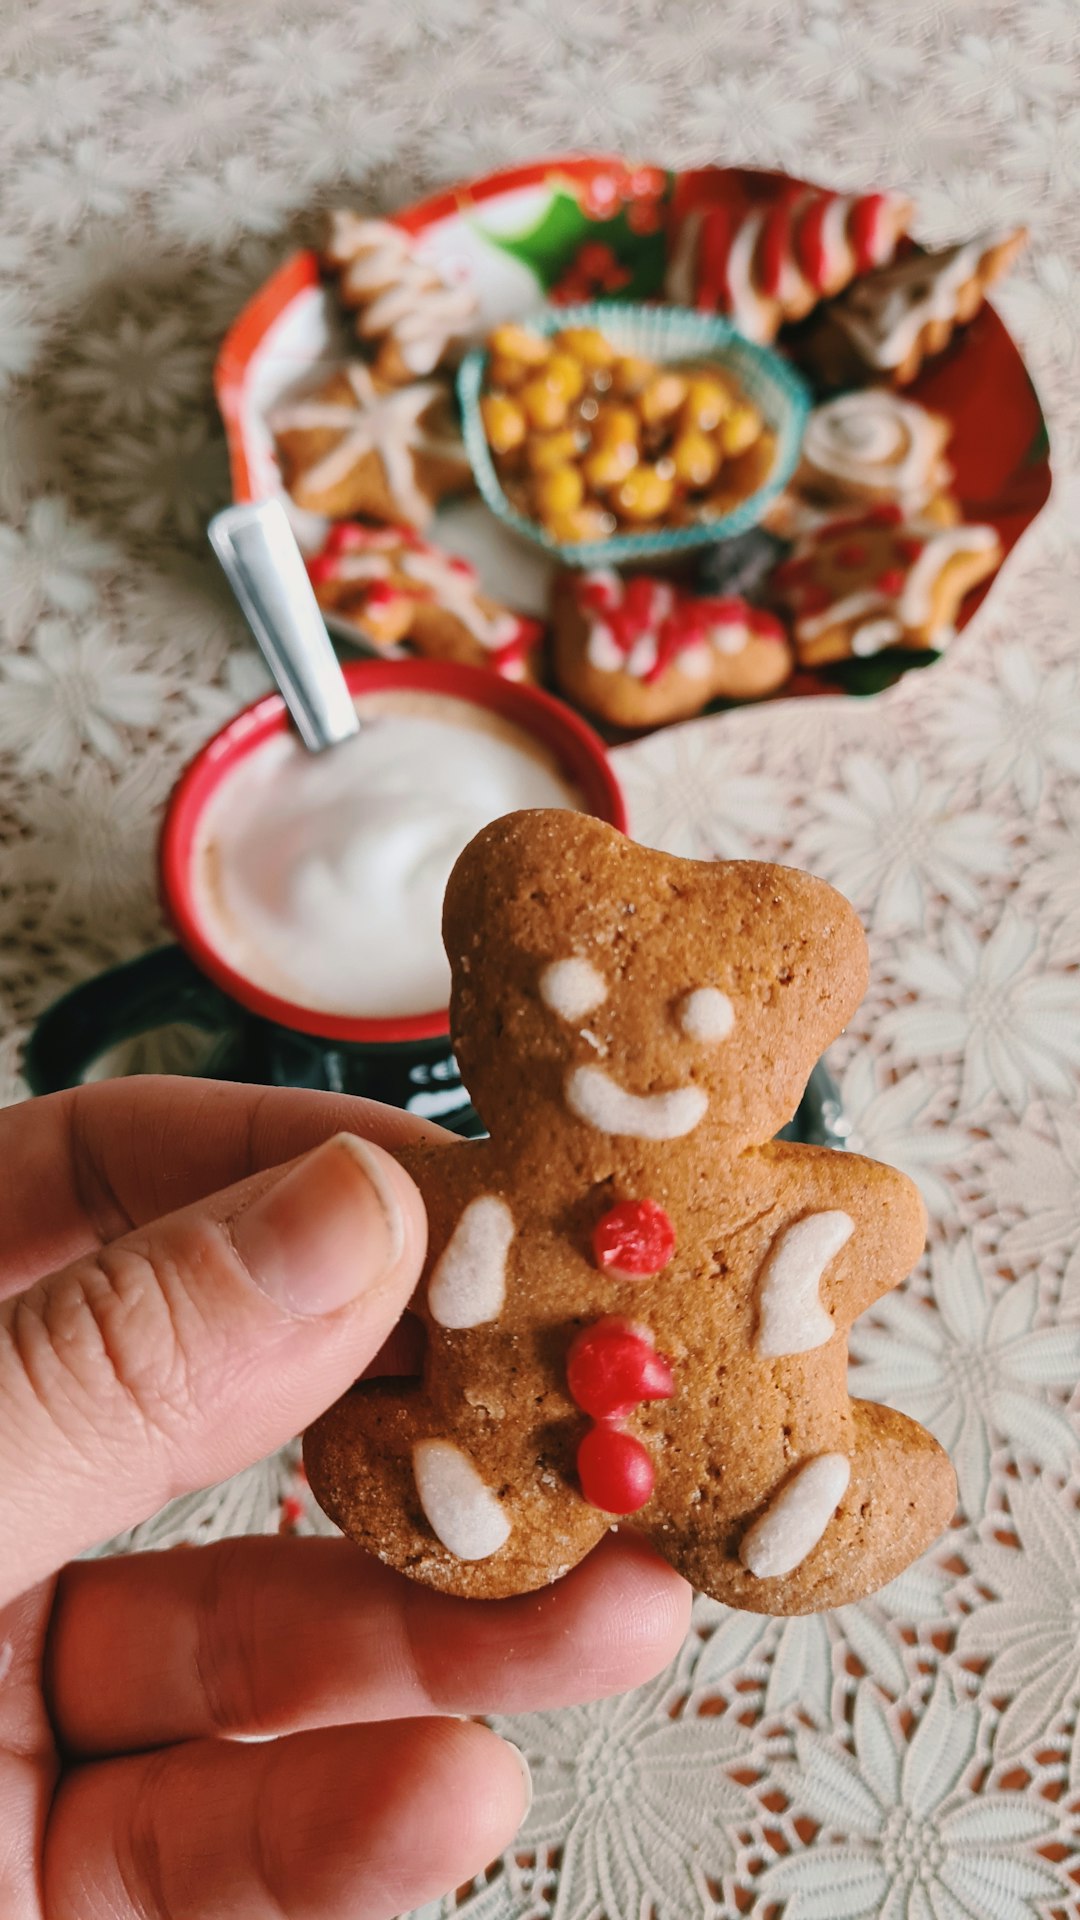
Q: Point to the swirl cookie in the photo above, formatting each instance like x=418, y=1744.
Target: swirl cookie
x=354, y=446
x=866, y=449
x=892, y=320
x=396, y=586
x=405, y=310
x=641, y=652
x=856, y=587
x=636, y=1302
x=769, y=264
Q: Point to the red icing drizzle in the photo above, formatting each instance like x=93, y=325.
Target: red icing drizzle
x=864, y=228
x=809, y=240
x=718, y=230
x=634, y=608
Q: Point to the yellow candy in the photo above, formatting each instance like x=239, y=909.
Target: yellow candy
x=546, y=451
x=504, y=422
x=645, y=494
x=565, y=375
x=631, y=373
x=614, y=425
x=588, y=345
x=559, y=492
x=544, y=406
x=707, y=402
x=506, y=373
x=586, y=522
x=607, y=465
x=740, y=429
x=662, y=397
x=696, y=457
x=518, y=343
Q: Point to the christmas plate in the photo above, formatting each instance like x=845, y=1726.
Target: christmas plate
x=582, y=228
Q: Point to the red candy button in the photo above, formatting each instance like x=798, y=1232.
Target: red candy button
x=634, y=1240
x=615, y=1470
x=891, y=582
x=611, y=1367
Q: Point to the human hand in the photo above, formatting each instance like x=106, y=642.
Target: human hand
x=175, y=1302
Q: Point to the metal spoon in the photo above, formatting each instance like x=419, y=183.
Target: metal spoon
x=264, y=567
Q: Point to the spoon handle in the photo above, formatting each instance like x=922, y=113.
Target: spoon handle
x=264, y=567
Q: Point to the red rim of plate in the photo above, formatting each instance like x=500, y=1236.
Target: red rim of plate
x=577, y=749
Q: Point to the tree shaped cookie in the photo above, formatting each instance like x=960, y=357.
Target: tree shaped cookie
x=637, y=1301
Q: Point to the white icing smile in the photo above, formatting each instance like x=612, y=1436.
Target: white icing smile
x=593, y=1096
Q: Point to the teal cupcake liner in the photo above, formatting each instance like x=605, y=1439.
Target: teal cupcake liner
x=668, y=335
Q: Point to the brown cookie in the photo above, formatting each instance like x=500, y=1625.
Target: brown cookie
x=395, y=586
x=860, y=586
x=892, y=320
x=641, y=652
x=405, y=310
x=636, y=1301
x=866, y=449
x=356, y=446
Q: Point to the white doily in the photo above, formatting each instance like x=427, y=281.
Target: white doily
x=918, y=1756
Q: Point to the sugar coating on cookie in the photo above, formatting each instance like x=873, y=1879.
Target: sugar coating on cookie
x=468, y=1283
x=593, y=1096
x=462, y=1512
x=791, y=1316
x=572, y=988
x=796, y=1517
x=706, y=1014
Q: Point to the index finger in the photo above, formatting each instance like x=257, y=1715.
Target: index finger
x=81, y=1168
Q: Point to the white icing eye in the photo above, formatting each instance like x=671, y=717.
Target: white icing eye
x=706, y=1014
x=462, y=1512
x=572, y=988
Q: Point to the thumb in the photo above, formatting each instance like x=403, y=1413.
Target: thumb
x=190, y=1348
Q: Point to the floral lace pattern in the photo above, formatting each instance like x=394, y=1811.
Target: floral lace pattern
x=917, y=1756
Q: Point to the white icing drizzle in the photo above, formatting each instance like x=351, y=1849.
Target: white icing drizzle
x=468, y=1283
x=398, y=294
x=753, y=314
x=835, y=245
x=603, y=650
x=706, y=1014
x=885, y=313
x=593, y=1096
x=387, y=424
x=791, y=1318
x=796, y=1517
x=916, y=600
x=875, y=442
x=875, y=635
x=455, y=588
x=572, y=988
x=461, y=1511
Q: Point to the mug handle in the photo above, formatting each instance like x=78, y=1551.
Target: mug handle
x=153, y=991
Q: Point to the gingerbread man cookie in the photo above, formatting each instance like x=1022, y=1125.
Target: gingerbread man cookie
x=355, y=446
x=865, y=449
x=404, y=308
x=856, y=587
x=888, y=323
x=395, y=586
x=765, y=265
x=636, y=1301
x=641, y=652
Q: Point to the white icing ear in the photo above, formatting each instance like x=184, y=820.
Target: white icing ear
x=796, y=1517
x=593, y=1096
x=462, y=1512
x=706, y=1014
x=468, y=1284
x=791, y=1316
x=572, y=988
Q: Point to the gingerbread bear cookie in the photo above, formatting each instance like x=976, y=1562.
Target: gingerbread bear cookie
x=636, y=1301
x=395, y=586
x=356, y=446
x=890, y=321
x=856, y=587
x=764, y=265
x=641, y=652
x=405, y=310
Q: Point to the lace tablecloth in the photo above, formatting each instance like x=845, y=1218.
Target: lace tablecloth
x=918, y=1755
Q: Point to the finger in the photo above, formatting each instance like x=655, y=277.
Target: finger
x=186, y=1645
x=345, y=1824
x=81, y=1168
x=188, y=1349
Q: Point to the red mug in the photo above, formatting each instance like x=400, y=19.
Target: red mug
x=405, y=1062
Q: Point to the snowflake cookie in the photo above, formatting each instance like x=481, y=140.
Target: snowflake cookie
x=641, y=652
x=357, y=446
x=396, y=586
x=636, y=1301
x=857, y=587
